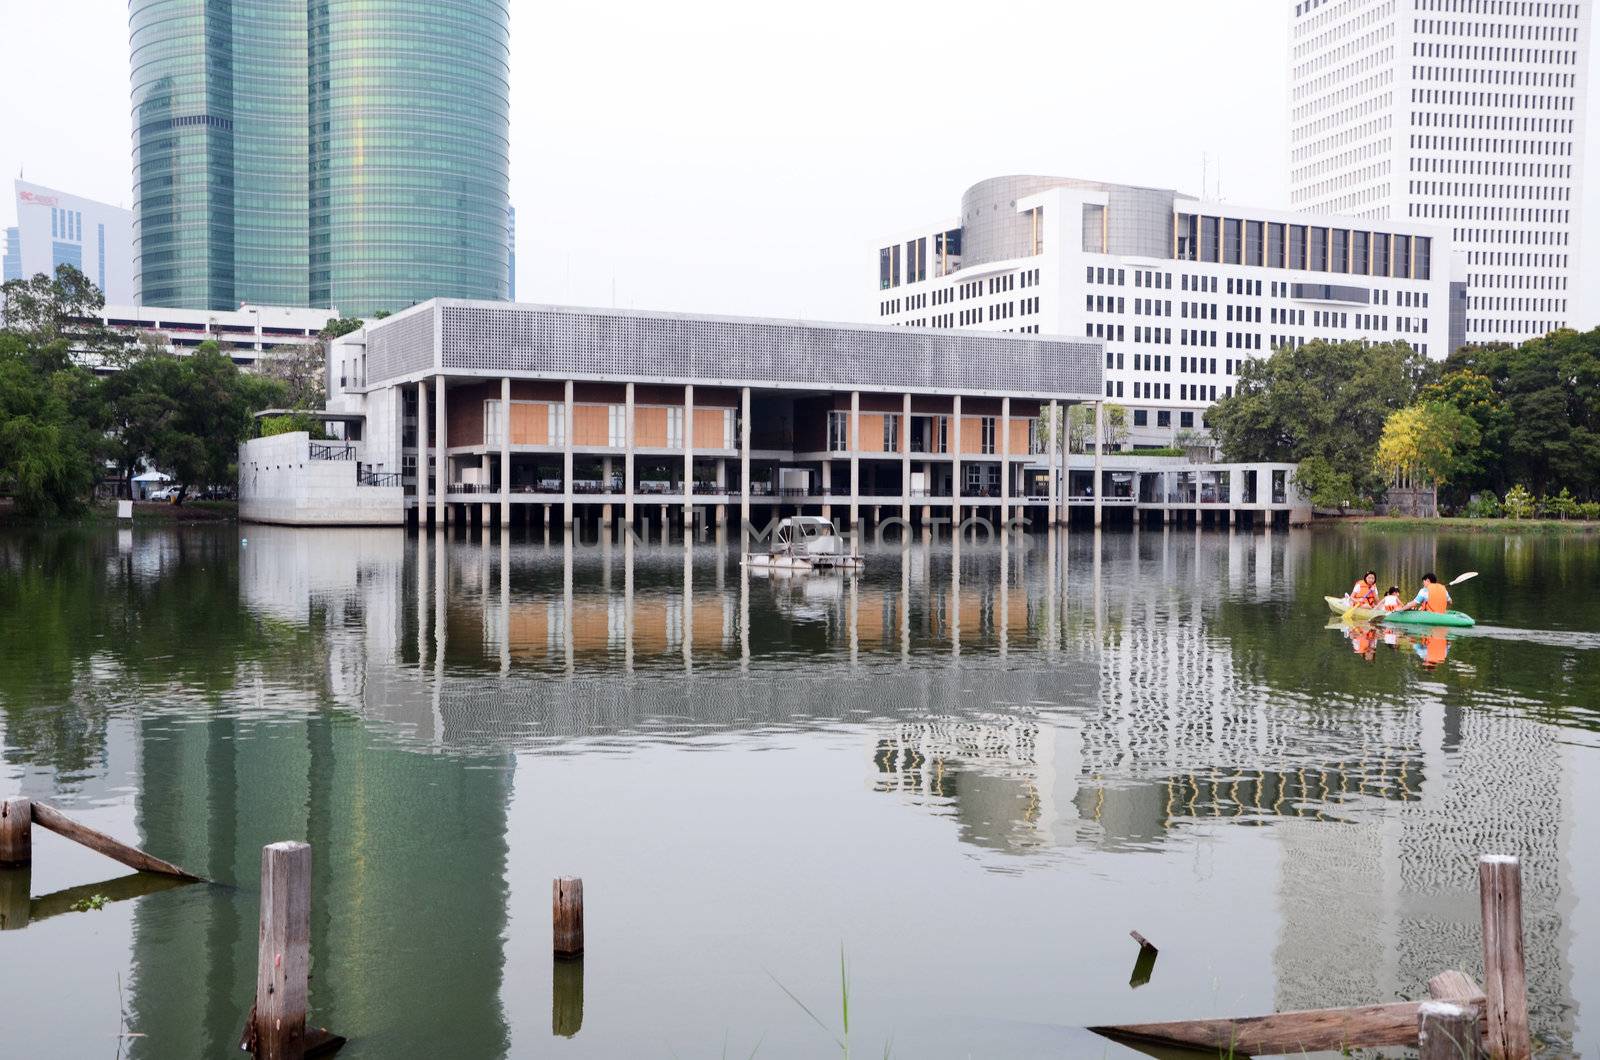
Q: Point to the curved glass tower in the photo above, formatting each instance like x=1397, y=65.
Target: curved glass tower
x=349, y=153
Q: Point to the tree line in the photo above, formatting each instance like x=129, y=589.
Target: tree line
x=1517, y=427
x=65, y=426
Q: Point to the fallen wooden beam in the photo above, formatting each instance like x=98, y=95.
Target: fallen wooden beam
x=62, y=825
x=1309, y=1031
x=136, y=885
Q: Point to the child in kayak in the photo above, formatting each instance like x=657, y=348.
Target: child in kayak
x=1433, y=597
x=1391, y=599
x=1365, y=591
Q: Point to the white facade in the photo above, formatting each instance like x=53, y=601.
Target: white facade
x=55, y=228
x=1465, y=113
x=244, y=334
x=1181, y=291
x=292, y=480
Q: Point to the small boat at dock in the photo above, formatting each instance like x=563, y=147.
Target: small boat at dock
x=803, y=543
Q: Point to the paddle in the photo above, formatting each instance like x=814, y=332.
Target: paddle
x=1463, y=577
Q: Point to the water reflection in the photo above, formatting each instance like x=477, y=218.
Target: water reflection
x=1115, y=701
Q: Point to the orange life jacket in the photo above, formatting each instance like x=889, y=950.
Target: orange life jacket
x=1363, y=595
x=1438, y=601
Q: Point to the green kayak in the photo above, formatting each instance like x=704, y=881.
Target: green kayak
x=1429, y=618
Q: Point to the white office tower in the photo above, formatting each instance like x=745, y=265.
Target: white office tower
x=57, y=228
x=1182, y=291
x=1466, y=113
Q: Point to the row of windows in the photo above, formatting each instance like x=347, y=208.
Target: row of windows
x=1354, y=46
x=1457, y=98
x=1231, y=241
x=1541, y=56
x=1354, y=90
x=66, y=224
x=1362, y=63
x=1357, y=134
x=1494, y=76
x=1500, y=30
x=1447, y=120
x=1501, y=7
x=1494, y=167
x=1366, y=17
x=1480, y=145
x=1339, y=118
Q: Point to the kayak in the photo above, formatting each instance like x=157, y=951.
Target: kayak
x=1360, y=614
x=1429, y=618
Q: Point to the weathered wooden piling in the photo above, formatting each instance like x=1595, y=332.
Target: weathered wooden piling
x=62, y=825
x=566, y=997
x=1447, y=1031
x=1505, y=980
x=16, y=832
x=566, y=897
x=283, y=961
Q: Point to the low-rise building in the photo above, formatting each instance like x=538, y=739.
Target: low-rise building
x=1181, y=291
x=494, y=411
x=244, y=334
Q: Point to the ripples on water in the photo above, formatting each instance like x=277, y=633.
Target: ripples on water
x=1082, y=727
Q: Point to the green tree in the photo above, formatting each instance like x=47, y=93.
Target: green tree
x=1548, y=432
x=1426, y=444
x=1519, y=502
x=301, y=370
x=1322, y=399
x=1325, y=487
x=1473, y=393
x=198, y=445
x=1080, y=427
x=340, y=326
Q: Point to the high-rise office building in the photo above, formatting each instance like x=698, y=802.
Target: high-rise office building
x=55, y=228
x=1181, y=291
x=319, y=152
x=1465, y=113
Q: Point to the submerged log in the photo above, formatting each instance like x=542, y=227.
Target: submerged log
x=1312, y=1030
x=62, y=825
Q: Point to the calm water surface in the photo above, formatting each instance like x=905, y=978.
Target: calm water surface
x=972, y=770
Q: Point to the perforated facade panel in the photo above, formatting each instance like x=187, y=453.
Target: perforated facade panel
x=507, y=339
x=400, y=346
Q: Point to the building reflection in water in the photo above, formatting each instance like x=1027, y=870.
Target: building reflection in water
x=1042, y=694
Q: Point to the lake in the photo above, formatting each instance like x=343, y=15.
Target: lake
x=969, y=772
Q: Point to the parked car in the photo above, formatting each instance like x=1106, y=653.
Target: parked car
x=168, y=494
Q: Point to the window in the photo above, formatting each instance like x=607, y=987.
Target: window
x=675, y=427
x=838, y=431
x=617, y=425
x=1141, y=418
x=891, y=434
x=986, y=434
x=1186, y=419
x=557, y=423
x=1163, y=418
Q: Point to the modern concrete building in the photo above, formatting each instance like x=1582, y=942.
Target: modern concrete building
x=245, y=334
x=1461, y=113
x=1180, y=291
x=498, y=410
x=313, y=154
x=56, y=228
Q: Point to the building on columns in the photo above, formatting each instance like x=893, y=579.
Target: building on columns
x=571, y=413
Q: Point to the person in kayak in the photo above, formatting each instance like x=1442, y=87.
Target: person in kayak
x=1365, y=591
x=1433, y=597
x=1391, y=599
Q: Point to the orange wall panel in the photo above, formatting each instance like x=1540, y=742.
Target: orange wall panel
x=972, y=435
x=708, y=429
x=871, y=433
x=591, y=425
x=530, y=423
x=1019, y=436
x=649, y=426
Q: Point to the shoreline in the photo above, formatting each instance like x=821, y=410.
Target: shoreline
x=1384, y=523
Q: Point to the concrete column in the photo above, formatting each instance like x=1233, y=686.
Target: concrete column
x=688, y=459
x=955, y=462
x=606, y=469
x=566, y=460
x=627, y=462
x=826, y=488
x=1005, y=461
x=441, y=439
x=905, y=458
x=744, y=458
x=422, y=455
x=505, y=452
x=855, y=458
x=1063, y=445
x=1099, y=434
x=1050, y=467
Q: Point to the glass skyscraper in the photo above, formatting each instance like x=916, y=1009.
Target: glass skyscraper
x=320, y=152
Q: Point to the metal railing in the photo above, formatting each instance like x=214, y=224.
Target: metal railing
x=324, y=451
x=378, y=478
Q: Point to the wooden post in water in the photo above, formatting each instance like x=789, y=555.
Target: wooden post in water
x=283, y=960
x=1504, y=966
x=1447, y=1031
x=566, y=895
x=16, y=832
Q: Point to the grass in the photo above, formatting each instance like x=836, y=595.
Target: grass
x=844, y=1011
x=1479, y=526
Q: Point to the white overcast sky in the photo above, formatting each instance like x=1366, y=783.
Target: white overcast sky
x=737, y=157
